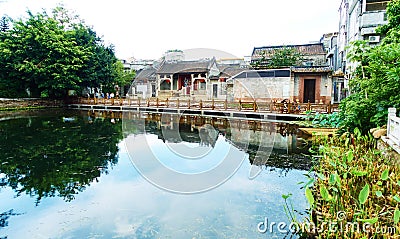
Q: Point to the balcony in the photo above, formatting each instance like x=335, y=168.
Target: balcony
x=376, y=5
x=370, y=20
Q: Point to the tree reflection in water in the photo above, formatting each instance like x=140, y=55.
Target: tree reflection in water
x=61, y=153
x=4, y=219
x=56, y=154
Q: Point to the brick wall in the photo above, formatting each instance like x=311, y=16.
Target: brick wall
x=265, y=88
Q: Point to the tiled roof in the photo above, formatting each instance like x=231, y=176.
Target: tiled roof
x=230, y=70
x=306, y=49
x=309, y=69
x=146, y=74
x=185, y=66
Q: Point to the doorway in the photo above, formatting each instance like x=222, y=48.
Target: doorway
x=153, y=90
x=215, y=90
x=309, y=90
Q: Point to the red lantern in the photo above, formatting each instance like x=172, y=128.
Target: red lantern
x=168, y=80
x=202, y=80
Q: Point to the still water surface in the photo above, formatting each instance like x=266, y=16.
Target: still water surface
x=70, y=174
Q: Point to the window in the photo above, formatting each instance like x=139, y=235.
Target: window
x=282, y=73
x=202, y=86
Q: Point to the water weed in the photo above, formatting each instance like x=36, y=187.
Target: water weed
x=355, y=192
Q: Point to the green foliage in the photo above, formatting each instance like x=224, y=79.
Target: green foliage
x=49, y=55
x=393, y=17
x=280, y=57
x=375, y=86
x=327, y=120
x=355, y=183
x=364, y=193
x=356, y=112
x=309, y=196
x=396, y=216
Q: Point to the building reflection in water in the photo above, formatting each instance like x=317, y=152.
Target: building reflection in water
x=279, y=142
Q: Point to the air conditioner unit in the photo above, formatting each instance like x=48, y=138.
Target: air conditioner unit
x=373, y=39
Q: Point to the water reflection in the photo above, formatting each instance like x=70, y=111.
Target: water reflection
x=84, y=162
x=56, y=154
x=289, y=150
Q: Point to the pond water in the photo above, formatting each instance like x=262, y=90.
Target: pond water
x=80, y=174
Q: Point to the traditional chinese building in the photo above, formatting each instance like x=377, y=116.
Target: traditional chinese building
x=303, y=84
x=308, y=80
x=145, y=83
x=186, y=78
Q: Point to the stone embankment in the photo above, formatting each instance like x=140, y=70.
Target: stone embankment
x=27, y=103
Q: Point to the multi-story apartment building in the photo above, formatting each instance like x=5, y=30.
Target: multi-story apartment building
x=336, y=63
x=358, y=20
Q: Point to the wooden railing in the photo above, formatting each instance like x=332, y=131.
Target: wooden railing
x=393, y=127
x=219, y=105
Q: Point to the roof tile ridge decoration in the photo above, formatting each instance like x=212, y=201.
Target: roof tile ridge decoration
x=211, y=62
x=289, y=45
x=311, y=69
x=273, y=47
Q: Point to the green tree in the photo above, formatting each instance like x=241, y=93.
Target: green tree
x=125, y=78
x=376, y=83
x=49, y=55
x=42, y=56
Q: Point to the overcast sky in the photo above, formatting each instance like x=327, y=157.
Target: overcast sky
x=146, y=29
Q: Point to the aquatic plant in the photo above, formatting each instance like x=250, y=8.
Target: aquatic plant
x=354, y=191
x=319, y=120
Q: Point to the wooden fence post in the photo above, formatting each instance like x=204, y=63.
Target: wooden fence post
x=189, y=103
x=212, y=104
x=201, y=104
x=139, y=102
x=177, y=104
x=289, y=107
x=167, y=102
x=226, y=104
x=329, y=108
x=157, y=102
x=308, y=106
x=240, y=104
x=112, y=101
x=254, y=106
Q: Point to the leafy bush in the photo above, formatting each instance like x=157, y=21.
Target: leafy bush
x=327, y=120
